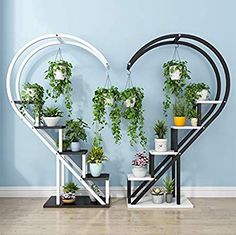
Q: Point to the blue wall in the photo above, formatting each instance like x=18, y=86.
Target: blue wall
x=118, y=29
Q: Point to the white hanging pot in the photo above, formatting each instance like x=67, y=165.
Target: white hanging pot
x=203, y=95
x=161, y=145
x=31, y=93
x=109, y=101
x=129, y=103
x=51, y=121
x=139, y=171
x=75, y=146
x=58, y=74
x=175, y=74
x=193, y=121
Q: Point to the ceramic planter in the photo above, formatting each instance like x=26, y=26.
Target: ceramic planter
x=203, y=95
x=157, y=199
x=129, y=103
x=95, y=169
x=51, y=121
x=179, y=121
x=59, y=75
x=169, y=197
x=75, y=146
x=109, y=101
x=161, y=145
x=176, y=74
x=68, y=198
x=139, y=171
x=193, y=121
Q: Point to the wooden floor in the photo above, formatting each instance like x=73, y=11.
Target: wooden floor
x=26, y=216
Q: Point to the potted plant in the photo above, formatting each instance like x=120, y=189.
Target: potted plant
x=179, y=111
x=59, y=75
x=52, y=115
x=75, y=131
x=169, y=189
x=196, y=92
x=176, y=75
x=108, y=97
x=33, y=94
x=140, y=164
x=133, y=113
x=193, y=116
x=69, y=195
x=157, y=195
x=160, y=129
x=96, y=190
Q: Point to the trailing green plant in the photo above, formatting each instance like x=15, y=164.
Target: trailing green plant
x=70, y=187
x=160, y=129
x=60, y=87
x=157, y=191
x=52, y=112
x=32, y=94
x=174, y=87
x=192, y=113
x=169, y=185
x=108, y=97
x=134, y=115
x=180, y=108
x=96, y=155
x=65, y=144
x=75, y=130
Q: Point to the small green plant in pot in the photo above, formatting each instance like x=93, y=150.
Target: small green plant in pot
x=108, y=97
x=169, y=189
x=33, y=94
x=193, y=116
x=160, y=130
x=133, y=113
x=176, y=75
x=69, y=195
x=157, y=195
x=180, y=112
x=140, y=164
x=76, y=131
x=59, y=75
x=52, y=115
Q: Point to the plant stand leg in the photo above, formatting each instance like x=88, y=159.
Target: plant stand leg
x=107, y=186
x=174, y=146
x=84, y=166
x=178, y=180
x=129, y=191
x=58, y=181
x=62, y=175
x=199, y=114
x=151, y=165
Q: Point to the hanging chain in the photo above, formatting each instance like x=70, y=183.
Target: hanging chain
x=59, y=54
x=176, y=53
x=129, y=82
x=108, y=80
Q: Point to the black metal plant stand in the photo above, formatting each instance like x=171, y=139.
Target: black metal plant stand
x=173, y=160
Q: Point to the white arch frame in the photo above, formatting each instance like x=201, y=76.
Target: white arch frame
x=45, y=138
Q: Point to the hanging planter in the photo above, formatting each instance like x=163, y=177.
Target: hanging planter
x=51, y=116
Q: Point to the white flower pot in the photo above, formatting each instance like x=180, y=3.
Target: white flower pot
x=161, y=145
x=109, y=101
x=203, y=95
x=59, y=75
x=139, y=171
x=176, y=74
x=51, y=121
x=157, y=199
x=193, y=121
x=129, y=103
x=95, y=169
x=75, y=146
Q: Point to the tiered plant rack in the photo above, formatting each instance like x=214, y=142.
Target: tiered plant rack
x=63, y=158
x=172, y=161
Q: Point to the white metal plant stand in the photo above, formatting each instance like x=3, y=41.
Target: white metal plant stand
x=13, y=91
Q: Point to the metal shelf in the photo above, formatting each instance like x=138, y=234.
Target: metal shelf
x=49, y=127
x=131, y=177
x=69, y=152
x=169, y=152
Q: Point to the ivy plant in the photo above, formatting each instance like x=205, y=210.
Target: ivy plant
x=134, y=115
x=174, y=87
x=32, y=94
x=60, y=87
x=108, y=97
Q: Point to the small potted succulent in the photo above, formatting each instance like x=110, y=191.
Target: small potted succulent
x=59, y=75
x=75, y=131
x=180, y=112
x=33, y=94
x=95, y=159
x=140, y=164
x=69, y=195
x=160, y=129
x=52, y=115
x=169, y=189
x=193, y=116
x=96, y=190
x=157, y=195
